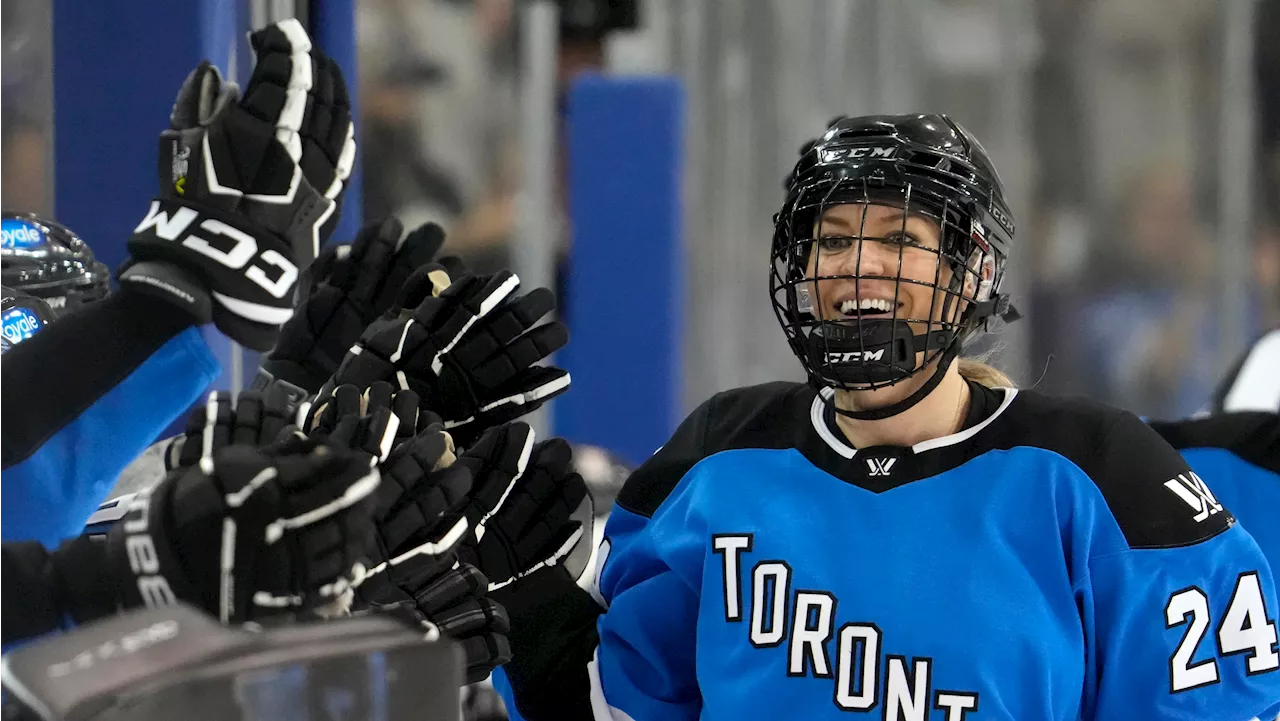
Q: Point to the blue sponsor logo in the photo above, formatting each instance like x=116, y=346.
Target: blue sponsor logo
x=20, y=235
x=20, y=324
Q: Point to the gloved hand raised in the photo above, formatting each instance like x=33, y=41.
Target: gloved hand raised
x=250, y=188
x=418, y=527
x=250, y=419
x=346, y=289
x=469, y=350
x=523, y=504
x=252, y=534
x=373, y=420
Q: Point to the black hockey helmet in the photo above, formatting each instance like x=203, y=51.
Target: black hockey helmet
x=923, y=164
x=45, y=259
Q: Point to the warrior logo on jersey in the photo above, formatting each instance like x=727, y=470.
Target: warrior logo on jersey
x=880, y=466
x=1192, y=489
x=864, y=673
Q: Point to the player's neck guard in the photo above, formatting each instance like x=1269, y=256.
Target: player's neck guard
x=876, y=414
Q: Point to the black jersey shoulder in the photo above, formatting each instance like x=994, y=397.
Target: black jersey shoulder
x=752, y=417
x=1132, y=466
x=1254, y=436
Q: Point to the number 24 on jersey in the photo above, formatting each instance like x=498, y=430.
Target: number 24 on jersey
x=1244, y=629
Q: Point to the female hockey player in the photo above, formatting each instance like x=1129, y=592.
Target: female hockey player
x=905, y=535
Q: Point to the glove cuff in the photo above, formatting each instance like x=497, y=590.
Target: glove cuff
x=141, y=556
x=249, y=272
x=170, y=283
x=287, y=377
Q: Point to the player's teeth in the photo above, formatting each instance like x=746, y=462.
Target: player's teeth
x=852, y=306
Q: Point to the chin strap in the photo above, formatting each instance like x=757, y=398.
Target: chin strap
x=875, y=414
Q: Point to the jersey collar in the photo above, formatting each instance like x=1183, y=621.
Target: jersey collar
x=817, y=416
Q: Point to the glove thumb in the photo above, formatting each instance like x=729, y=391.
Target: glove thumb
x=427, y=281
x=448, y=457
x=202, y=96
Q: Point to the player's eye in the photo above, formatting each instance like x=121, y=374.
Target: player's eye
x=834, y=243
x=907, y=239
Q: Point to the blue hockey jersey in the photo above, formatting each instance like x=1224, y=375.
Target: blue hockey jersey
x=1054, y=560
x=1241, y=453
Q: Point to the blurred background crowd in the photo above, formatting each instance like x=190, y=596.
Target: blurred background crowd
x=1139, y=142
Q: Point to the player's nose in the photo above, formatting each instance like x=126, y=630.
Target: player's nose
x=870, y=257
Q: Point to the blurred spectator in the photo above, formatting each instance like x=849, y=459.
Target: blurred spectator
x=26, y=105
x=1267, y=92
x=437, y=96
x=1266, y=275
x=441, y=122
x=1149, y=326
x=405, y=174
x=1266, y=264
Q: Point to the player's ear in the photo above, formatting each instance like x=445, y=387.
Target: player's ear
x=978, y=276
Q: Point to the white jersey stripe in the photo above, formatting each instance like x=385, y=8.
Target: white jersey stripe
x=1257, y=386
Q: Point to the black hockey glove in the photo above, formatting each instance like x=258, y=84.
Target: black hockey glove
x=419, y=526
x=346, y=289
x=469, y=352
x=451, y=601
x=249, y=188
x=418, y=514
x=454, y=601
x=373, y=420
x=447, y=597
x=250, y=420
x=414, y=508
x=532, y=524
x=263, y=533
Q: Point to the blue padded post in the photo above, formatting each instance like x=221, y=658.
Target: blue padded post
x=333, y=28
x=625, y=289
x=118, y=65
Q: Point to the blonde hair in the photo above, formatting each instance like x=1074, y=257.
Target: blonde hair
x=979, y=372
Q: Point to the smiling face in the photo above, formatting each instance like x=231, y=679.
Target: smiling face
x=875, y=262
x=872, y=246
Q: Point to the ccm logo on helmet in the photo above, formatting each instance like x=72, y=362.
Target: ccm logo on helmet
x=857, y=355
x=243, y=250
x=865, y=152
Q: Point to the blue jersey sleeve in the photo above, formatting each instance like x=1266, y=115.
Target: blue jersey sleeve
x=1184, y=633
x=1179, y=602
x=649, y=570
x=49, y=494
x=645, y=665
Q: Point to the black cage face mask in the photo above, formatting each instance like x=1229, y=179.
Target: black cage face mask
x=881, y=288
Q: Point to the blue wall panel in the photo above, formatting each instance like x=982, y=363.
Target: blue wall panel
x=333, y=26
x=625, y=290
x=118, y=65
